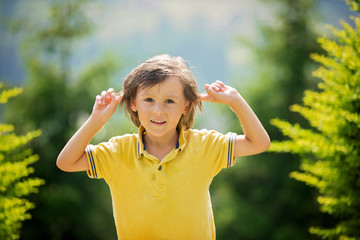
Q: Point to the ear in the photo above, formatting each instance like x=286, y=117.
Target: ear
x=187, y=106
x=133, y=106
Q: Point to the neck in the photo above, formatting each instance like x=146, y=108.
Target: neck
x=160, y=146
x=160, y=142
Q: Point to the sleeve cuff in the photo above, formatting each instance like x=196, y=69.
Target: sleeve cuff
x=92, y=173
x=231, y=158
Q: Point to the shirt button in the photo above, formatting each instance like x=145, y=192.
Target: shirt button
x=159, y=168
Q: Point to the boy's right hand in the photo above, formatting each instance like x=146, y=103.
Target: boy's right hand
x=105, y=105
x=73, y=157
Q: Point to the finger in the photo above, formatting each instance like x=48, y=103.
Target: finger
x=103, y=96
x=98, y=99
x=117, y=97
x=208, y=96
x=220, y=83
x=216, y=87
x=120, y=94
x=204, y=96
x=115, y=100
x=108, y=93
x=107, y=96
x=211, y=90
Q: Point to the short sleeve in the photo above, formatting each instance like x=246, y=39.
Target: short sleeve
x=230, y=139
x=222, y=151
x=101, y=159
x=215, y=149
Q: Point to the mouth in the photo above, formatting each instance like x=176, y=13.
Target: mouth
x=158, y=122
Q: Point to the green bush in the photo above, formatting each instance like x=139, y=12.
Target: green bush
x=15, y=183
x=330, y=150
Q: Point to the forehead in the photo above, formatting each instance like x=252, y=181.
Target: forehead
x=170, y=86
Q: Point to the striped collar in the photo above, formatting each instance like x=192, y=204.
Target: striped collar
x=181, y=143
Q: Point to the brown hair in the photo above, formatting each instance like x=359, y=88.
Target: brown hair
x=154, y=71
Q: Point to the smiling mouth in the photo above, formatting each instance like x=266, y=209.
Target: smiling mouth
x=158, y=122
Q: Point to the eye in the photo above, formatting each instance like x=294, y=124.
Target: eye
x=149, y=100
x=169, y=101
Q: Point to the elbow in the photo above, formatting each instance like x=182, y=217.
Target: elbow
x=266, y=144
x=60, y=164
x=263, y=145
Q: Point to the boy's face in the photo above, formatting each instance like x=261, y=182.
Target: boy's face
x=160, y=107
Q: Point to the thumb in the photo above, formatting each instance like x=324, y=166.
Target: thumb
x=203, y=97
x=209, y=90
x=115, y=99
x=206, y=96
x=119, y=96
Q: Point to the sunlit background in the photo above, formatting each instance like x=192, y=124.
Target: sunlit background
x=203, y=32
x=232, y=40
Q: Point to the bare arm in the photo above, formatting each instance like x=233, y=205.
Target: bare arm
x=72, y=158
x=255, y=139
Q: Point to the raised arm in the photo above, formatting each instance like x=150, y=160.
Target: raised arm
x=72, y=158
x=255, y=138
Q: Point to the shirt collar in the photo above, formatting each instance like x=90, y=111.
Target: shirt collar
x=140, y=143
x=181, y=143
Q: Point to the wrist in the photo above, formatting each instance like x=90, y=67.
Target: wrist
x=239, y=105
x=96, y=122
x=236, y=101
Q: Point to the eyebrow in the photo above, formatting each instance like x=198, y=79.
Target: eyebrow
x=172, y=96
x=145, y=93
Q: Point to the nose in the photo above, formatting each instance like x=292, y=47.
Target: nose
x=158, y=108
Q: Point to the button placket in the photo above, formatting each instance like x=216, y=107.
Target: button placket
x=160, y=175
x=160, y=180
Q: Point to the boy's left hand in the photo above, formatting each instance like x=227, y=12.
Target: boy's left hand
x=218, y=92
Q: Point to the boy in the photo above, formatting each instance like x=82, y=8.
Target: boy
x=159, y=178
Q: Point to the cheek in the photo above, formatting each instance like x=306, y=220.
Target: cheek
x=142, y=117
x=141, y=110
x=175, y=111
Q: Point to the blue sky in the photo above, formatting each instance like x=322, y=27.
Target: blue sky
x=201, y=31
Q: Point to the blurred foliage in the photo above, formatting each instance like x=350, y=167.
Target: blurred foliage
x=257, y=199
x=15, y=183
x=354, y=5
x=57, y=97
x=330, y=149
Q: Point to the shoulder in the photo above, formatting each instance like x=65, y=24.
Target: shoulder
x=124, y=138
x=202, y=136
x=116, y=142
x=195, y=136
x=118, y=147
x=196, y=133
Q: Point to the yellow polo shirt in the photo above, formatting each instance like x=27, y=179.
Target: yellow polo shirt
x=162, y=200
